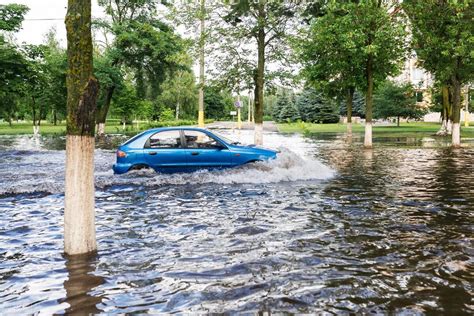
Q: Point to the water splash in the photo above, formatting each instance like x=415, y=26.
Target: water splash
x=29, y=168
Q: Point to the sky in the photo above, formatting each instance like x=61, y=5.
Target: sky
x=43, y=15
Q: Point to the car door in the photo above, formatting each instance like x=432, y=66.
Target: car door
x=205, y=152
x=164, y=151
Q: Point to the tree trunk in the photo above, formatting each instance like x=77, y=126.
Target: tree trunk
x=443, y=131
x=201, y=67
x=259, y=81
x=102, y=112
x=466, y=107
x=249, y=109
x=456, y=132
x=35, y=118
x=369, y=99
x=82, y=90
x=55, y=118
x=177, y=110
x=349, y=101
x=398, y=121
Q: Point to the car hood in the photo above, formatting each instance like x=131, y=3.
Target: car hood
x=254, y=148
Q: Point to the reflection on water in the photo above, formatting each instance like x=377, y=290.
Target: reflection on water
x=79, y=284
x=390, y=231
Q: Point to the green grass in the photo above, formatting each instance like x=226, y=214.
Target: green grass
x=112, y=127
x=405, y=129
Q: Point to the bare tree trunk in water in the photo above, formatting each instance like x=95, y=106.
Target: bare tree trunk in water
x=349, y=101
x=82, y=88
x=35, y=125
x=369, y=99
x=456, y=132
x=446, y=117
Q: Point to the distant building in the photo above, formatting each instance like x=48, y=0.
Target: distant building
x=419, y=78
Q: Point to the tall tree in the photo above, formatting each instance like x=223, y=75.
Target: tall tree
x=442, y=33
x=267, y=23
x=199, y=19
x=392, y=100
x=142, y=44
x=82, y=89
x=13, y=65
x=179, y=92
x=331, y=55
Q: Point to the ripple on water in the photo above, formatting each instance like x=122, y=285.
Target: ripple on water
x=388, y=231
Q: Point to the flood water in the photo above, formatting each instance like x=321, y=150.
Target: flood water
x=327, y=227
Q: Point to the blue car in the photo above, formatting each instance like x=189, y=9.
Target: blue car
x=184, y=149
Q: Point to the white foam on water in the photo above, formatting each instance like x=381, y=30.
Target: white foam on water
x=286, y=167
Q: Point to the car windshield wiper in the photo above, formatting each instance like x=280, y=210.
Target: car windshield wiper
x=236, y=143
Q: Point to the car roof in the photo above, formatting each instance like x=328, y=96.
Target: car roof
x=172, y=128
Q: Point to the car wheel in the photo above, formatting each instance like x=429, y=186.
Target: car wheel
x=139, y=167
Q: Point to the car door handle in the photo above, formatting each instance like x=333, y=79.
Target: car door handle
x=152, y=153
x=194, y=153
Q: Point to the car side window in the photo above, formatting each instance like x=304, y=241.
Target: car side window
x=166, y=139
x=196, y=139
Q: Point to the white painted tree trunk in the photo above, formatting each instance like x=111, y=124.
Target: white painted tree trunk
x=456, y=135
x=368, y=135
x=443, y=131
x=123, y=125
x=177, y=110
x=101, y=129
x=449, y=127
x=349, y=129
x=79, y=212
x=36, y=130
x=258, y=134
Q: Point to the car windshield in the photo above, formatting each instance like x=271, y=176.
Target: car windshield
x=227, y=140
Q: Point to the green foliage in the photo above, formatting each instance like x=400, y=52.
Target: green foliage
x=217, y=103
x=145, y=50
x=12, y=78
x=166, y=114
x=358, y=105
x=285, y=109
x=443, y=37
x=180, y=94
x=392, y=100
x=126, y=103
x=353, y=45
x=255, y=29
x=11, y=16
x=316, y=108
x=331, y=51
